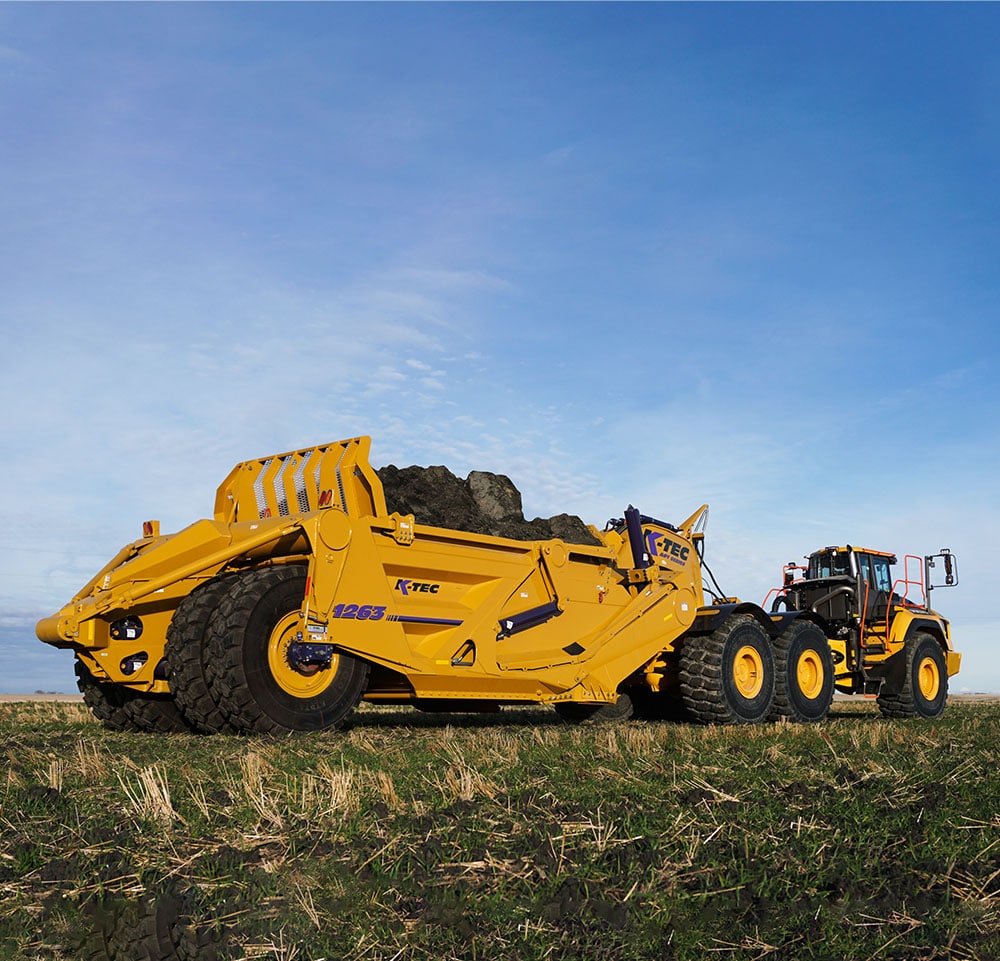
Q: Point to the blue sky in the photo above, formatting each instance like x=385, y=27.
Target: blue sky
x=658, y=254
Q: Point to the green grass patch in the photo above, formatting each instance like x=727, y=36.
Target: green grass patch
x=413, y=836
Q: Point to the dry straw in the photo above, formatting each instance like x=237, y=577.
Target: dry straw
x=149, y=798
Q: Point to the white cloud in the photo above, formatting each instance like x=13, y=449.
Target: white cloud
x=559, y=156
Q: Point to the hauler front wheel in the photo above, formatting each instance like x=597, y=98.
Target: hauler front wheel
x=728, y=677
x=804, y=674
x=259, y=675
x=922, y=688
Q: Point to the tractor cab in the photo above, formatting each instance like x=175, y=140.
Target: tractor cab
x=867, y=571
x=846, y=586
x=866, y=614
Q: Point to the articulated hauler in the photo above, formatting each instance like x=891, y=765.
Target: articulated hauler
x=303, y=595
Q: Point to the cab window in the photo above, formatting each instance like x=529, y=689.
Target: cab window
x=883, y=576
x=828, y=564
x=875, y=570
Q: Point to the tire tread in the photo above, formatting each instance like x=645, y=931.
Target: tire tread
x=228, y=647
x=702, y=673
x=187, y=657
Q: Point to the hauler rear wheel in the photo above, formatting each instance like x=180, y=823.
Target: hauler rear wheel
x=728, y=677
x=922, y=690
x=265, y=677
x=804, y=674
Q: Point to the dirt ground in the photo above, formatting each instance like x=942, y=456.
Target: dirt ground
x=14, y=698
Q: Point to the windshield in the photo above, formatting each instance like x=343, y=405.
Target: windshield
x=875, y=569
x=829, y=564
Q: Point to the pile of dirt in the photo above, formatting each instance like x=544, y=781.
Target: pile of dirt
x=483, y=503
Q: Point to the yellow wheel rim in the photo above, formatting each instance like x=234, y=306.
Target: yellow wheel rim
x=292, y=680
x=748, y=672
x=928, y=679
x=809, y=674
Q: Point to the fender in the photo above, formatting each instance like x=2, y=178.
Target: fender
x=709, y=618
x=907, y=623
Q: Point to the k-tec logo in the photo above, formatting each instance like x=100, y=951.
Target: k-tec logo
x=406, y=587
x=659, y=546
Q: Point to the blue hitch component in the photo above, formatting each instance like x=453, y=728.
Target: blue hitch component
x=307, y=657
x=524, y=620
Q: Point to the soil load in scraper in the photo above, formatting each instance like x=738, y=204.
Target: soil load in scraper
x=319, y=581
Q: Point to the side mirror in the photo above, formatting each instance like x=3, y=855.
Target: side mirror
x=950, y=564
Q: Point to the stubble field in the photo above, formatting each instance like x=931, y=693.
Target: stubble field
x=414, y=836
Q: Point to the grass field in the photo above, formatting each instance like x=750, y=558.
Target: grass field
x=414, y=836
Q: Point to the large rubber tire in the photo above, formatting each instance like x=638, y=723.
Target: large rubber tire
x=120, y=708
x=156, y=713
x=664, y=704
x=575, y=713
x=923, y=690
x=244, y=640
x=107, y=702
x=728, y=677
x=187, y=657
x=803, y=674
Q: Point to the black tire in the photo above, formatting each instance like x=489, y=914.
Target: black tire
x=575, y=713
x=728, y=677
x=650, y=705
x=156, y=714
x=187, y=657
x=241, y=676
x=922, y=690
x=122, y=709
x=108, y=702
x=803, y=674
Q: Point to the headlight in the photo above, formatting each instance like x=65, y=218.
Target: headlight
x=126, y=629
x=133, y=663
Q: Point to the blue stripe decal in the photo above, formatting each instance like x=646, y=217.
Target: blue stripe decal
x=423, y=620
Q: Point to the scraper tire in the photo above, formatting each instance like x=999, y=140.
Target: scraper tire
x=156, y=713
x=162, y=926
x=187, y=657
x=107, y=702
x=257, y=689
